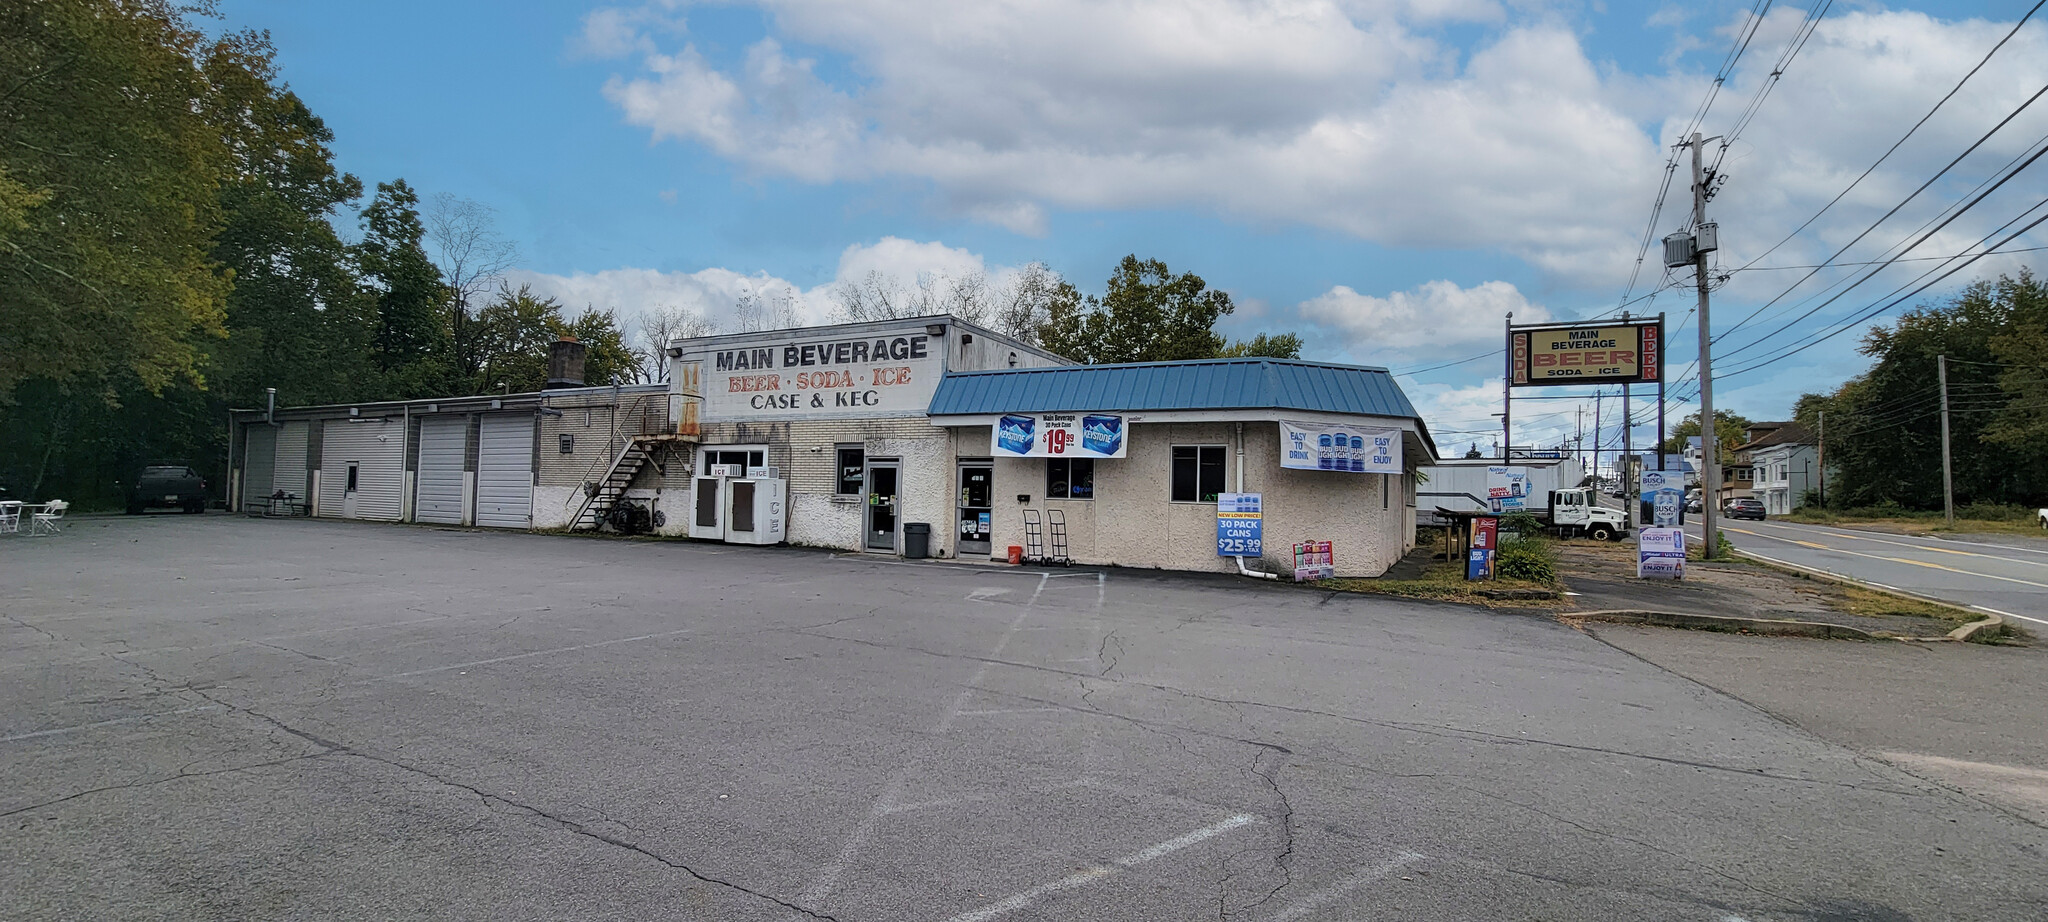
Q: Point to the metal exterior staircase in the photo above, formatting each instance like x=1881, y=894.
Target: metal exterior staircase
x=605, y=493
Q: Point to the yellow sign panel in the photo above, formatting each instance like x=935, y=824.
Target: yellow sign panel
x=1588, y=355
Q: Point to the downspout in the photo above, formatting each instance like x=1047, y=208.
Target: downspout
x=1241, y=569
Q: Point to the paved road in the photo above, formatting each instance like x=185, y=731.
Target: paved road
x=2006, y=575
x=224, y=718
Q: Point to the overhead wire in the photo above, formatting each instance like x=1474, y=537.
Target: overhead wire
x=1885, y=306
x=1803, y=225
x=1741, y=44
x=1887, y=216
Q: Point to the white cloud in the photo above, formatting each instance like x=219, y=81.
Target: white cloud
x=1343, y=115
x=716, y=293
x=1434, y=320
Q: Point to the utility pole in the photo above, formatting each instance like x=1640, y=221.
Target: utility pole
x=1580, y=443
x=1710, y=432
x=1596, y=433
x=1507, y=392
x=1628, y=450
x=1823, y=459
x=1948, y=483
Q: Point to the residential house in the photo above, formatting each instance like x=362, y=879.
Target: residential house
x=1783, y=463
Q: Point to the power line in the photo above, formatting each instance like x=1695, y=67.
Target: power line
x=1887, y=216
x=1874, y=262
x=1902, y=138
x=1763, y=92
x=1881, y=308
x=1699, y=115
x=1944, y=215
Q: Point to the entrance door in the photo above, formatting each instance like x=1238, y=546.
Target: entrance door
x=977, y=506
x=882, y=505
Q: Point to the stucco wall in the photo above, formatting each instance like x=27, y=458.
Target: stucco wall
x=1133, y=522
x=804, y=450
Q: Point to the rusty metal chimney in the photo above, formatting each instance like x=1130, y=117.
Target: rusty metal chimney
x=565, y=363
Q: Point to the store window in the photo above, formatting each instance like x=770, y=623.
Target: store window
x=1197, y=473
x=852, y=468
x=1070, y=478
x=742, y=457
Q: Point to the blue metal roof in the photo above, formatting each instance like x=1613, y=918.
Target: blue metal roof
x=1212, y=384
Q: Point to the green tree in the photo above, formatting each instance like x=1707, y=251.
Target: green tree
x=297, y=318
x=108, y=173
x=512, y=336
x=1148, y=314
x=413, y=343
x=1277, y=346
x=1732, y=428
x=608, y=358
x=1884, y=426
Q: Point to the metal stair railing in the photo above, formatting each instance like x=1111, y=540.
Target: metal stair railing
x=603, y=493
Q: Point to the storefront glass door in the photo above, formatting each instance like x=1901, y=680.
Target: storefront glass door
x=977, y=505
x=882, y=505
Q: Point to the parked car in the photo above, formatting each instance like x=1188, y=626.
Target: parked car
x=1695, y=504
x=160, y=486
x=1744, y=508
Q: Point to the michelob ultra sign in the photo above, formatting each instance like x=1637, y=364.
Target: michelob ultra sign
x=1586, y=354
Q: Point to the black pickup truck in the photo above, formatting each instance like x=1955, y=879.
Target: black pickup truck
x=167, y=486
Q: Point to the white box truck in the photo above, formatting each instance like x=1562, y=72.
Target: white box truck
x=1544, y=487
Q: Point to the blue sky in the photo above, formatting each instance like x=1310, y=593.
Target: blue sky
x=1386, y=177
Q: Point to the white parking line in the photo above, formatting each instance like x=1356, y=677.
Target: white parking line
x=1310, y=904
x=1083, y=878
x=892, y=792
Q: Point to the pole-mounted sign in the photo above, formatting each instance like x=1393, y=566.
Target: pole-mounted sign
x=1579, y=354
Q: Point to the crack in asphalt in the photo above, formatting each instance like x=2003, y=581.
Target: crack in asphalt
x=1286, y=824
x=331, y=747
x=180, y=776
x=1436, y=730
x=487, y=798
x=1102, y=650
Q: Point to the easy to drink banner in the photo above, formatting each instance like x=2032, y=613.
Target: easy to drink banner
x=1240, y=525
x=1325, y=447
x=1059, y=435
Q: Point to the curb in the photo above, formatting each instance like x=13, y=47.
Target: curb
x=1989, y=626
x=1766, y=626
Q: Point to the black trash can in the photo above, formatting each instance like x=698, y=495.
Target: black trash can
x=917, y=539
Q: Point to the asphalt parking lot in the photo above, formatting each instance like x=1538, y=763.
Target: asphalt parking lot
x=223, y=718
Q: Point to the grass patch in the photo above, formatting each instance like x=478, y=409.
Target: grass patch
x=1970, y=518
x=1446, y=582
x=1857, y=600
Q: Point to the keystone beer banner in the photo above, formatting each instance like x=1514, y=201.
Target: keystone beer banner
x=1596, y=354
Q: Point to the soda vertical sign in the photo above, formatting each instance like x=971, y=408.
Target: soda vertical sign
x=1240, y=525
x=1485, y=537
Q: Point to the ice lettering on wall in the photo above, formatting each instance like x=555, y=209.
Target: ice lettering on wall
x=1334, y=447
x=797, y=379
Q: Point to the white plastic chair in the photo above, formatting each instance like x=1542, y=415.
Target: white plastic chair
x=10, y=517
x=46, y=521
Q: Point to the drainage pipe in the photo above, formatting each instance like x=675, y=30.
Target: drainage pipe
x=1241, y=569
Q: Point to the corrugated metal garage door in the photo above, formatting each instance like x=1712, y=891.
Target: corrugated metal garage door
x=376, y=447
x=259, y=459
x=504, y=471
x=438, y=492
x=289, y=474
